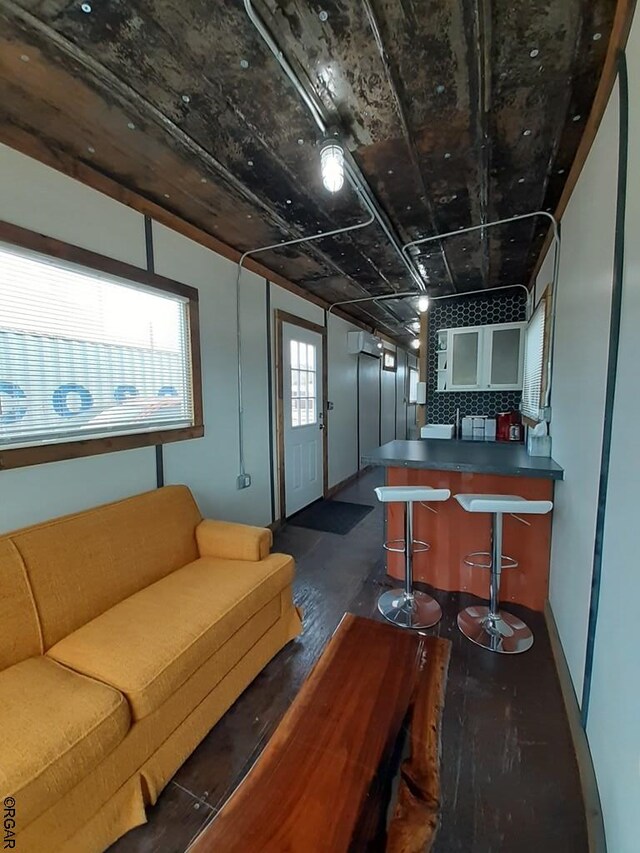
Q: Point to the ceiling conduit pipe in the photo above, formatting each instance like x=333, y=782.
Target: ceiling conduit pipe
x=556, y=271
x=242, y=480
x=354, y=175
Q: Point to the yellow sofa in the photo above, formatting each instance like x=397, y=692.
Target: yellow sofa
x=126, y=632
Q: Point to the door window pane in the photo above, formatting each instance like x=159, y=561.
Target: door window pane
x=303, y=384
x=505, y=356
x=465, y=358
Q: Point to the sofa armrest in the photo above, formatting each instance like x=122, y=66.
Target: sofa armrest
x=233, y=541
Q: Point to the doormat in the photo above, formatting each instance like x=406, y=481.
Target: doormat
x=330, y=516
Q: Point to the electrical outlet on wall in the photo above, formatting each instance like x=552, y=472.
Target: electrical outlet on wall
x=244, y=481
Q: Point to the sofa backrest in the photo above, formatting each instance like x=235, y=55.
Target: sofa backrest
x=19, y=628
x=80, y=565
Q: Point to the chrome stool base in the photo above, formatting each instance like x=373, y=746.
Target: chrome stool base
x=416, y=611
x=503, y=632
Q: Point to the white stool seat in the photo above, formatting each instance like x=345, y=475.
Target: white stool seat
x=503, y=503
x=411, y=494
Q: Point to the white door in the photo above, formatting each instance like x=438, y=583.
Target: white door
x=303, y=416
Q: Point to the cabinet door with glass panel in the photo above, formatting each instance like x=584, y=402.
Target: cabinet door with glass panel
x=503, y=356
x=481, y=358
x=464, y=365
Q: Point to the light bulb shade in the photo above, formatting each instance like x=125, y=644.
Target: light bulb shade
x=423, y=304
x=415, y=343
x=332, y=165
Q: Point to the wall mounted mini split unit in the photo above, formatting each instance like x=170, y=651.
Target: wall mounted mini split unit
x=364, y=342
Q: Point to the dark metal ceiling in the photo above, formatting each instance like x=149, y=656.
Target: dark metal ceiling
x=458, y=112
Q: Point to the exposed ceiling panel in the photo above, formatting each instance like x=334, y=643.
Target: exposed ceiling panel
x=457, y=113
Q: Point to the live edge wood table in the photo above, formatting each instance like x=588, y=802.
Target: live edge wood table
x=323, y=782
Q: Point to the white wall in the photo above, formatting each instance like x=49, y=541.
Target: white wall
x=210, y=464
x=369, y=402
x=387, y=403
x=614, y=714
x=584, y=295
x=579, y=379
x=401, y=395
x=38, y=198
x=343, y=418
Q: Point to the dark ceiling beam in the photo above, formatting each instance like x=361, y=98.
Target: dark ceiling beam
x=392, y=79
x=109, y=83
x=620, y=30
x=482, y=20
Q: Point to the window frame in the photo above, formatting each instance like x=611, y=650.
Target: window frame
x=20, y=457
x=544, y=301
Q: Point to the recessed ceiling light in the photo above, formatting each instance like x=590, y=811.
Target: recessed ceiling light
x=597, y=36
x=166, y=195
x=440, y=89
x=203, y=180
x=288, y=201
x=91, y=149
x=323, y=15
x=534, y=53
x=186, y=98
x=249, y=162
x=526, y=133
x=244, y=63
x=390, y=172
x=248, y=216
x=561, y=171
x=86, y=8
x=447, y=156
x=301, y=141
x=24, y=57
x=521, y=180
x=577, y=117
x=131, y=125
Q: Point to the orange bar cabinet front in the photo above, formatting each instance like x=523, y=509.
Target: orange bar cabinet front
x=453, y=533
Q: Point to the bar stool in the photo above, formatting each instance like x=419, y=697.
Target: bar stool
x=490, y=627
x=407, y=607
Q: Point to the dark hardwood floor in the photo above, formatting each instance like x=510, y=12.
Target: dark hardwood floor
x=509, y=776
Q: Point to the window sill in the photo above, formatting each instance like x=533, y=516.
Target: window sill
x=25, y=456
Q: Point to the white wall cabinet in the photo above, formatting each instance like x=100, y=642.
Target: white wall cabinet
x=481, y=358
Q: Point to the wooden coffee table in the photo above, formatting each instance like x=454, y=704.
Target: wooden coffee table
x=323, y=781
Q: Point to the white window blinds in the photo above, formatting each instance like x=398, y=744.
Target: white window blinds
x=534, y=363
x=87, y=355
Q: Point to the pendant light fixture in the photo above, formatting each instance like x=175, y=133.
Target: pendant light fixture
x=332, y=165
x=423, y=304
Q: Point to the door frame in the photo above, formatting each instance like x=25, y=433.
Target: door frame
x=282, y=317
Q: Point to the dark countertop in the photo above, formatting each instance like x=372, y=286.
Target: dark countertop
x=470, y=457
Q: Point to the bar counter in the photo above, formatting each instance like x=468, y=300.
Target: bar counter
x=481, y=468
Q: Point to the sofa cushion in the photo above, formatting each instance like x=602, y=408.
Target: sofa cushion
x=149, y=644
x=81, y=565
x=19, y=628
x=55, y=727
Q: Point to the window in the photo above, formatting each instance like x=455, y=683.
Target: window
x=86, y=355
x=389, y=360
x=304, y=389
x=534, y=358
x=413, y=385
